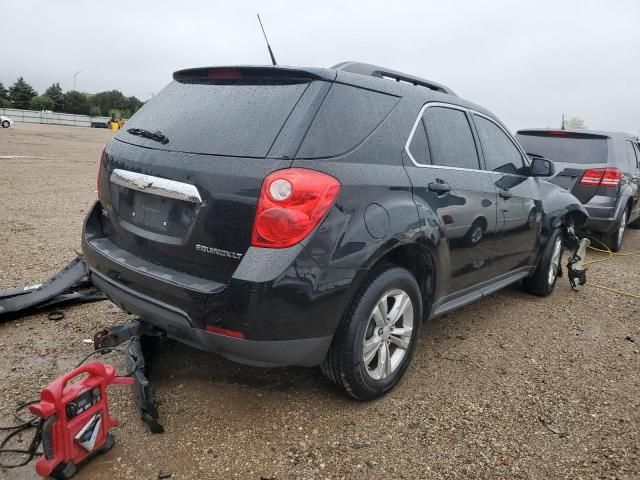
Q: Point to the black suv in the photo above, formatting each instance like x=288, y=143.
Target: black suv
x=602, y=169
x=282, y=216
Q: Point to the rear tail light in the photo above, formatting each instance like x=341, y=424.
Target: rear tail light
x=604, y=177
x=292, y=203
x=611, y=177
x=592, y=177
x=100, y=168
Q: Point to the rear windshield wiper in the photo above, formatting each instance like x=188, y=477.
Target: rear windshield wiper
x=158, y=136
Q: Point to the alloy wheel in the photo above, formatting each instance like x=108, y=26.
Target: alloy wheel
x=621, y=229
x=554, y=268
x=387, y=337
x=476, y=234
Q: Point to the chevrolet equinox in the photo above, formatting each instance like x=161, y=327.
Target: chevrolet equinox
x=307, y=216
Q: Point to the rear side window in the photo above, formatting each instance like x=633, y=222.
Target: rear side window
x=631, y=155
x=235, y=119
x=450, y=139
x=418, y=148
x=565, y=147
x=346, y=118
x=500, y=153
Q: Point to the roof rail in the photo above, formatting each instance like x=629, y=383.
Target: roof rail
x=383, y=72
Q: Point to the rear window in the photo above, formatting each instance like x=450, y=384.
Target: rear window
x=569, y=148
x=346, y=118
x=235, y=119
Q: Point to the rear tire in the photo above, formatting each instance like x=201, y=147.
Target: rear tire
x=5, y=124
x=375, y=341
x=545, y=277
x=476, y=232
x=614, y=240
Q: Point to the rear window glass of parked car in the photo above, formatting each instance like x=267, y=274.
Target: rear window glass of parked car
x=450, y=139
x=565, y=147
x=346, y=118
x=235, y=119
x=418, y=148
x=500, y=153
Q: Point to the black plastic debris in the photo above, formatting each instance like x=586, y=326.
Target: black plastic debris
x=70, y=285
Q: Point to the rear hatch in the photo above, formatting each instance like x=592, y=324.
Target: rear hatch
x=180, y=182
x=580, y=160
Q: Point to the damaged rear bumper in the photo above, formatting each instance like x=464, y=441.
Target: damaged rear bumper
x=279, y=308
x=303, y=352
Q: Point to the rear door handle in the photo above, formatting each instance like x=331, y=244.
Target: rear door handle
x=505, y=194
x=439, y=187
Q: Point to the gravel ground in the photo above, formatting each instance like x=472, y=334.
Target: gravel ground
x=512, y=386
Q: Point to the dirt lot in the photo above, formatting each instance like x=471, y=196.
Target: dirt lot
x=512, y=386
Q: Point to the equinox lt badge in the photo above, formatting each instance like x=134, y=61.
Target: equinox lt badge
x=218, y=251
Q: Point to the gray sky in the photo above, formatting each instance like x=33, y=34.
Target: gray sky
x=528, y=62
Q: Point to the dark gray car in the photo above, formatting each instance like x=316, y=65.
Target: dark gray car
x=602, y=169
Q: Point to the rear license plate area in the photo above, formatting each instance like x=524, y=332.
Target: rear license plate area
x=151, y=212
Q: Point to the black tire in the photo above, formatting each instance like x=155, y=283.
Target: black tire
x=344, y=364
x=5, y=124
x=476, y=232
x=614, y=240
x=540, y=282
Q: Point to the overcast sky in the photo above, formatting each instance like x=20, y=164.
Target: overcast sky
x=528, y=62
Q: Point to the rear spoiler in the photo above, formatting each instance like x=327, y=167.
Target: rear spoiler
x=259, y=73
x=561, y=134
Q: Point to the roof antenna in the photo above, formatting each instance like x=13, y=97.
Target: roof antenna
x=563, y=121
x=273, y=59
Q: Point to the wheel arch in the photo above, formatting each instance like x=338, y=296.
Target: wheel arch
x=418, y=257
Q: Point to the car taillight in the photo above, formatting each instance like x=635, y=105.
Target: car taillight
x=611, y=177
x=604, y=177
x=100, y=168
x=292, y=203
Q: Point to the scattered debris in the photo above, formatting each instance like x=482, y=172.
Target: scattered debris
x=552, y=428
x=71, y=284
x=55, y=315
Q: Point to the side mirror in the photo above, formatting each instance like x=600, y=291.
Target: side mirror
x=541, y=167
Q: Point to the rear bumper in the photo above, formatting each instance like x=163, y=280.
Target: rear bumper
x=285, y=305
x=603, y=213
x=304, y=352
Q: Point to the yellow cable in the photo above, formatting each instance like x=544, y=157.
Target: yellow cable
x=609, y=257
x=620, y=292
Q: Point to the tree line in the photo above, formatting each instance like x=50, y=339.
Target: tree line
x=111, y=103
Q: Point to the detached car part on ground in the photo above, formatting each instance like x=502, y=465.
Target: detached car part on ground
x=602, y=169
x=70, y=285
x=281, y=216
